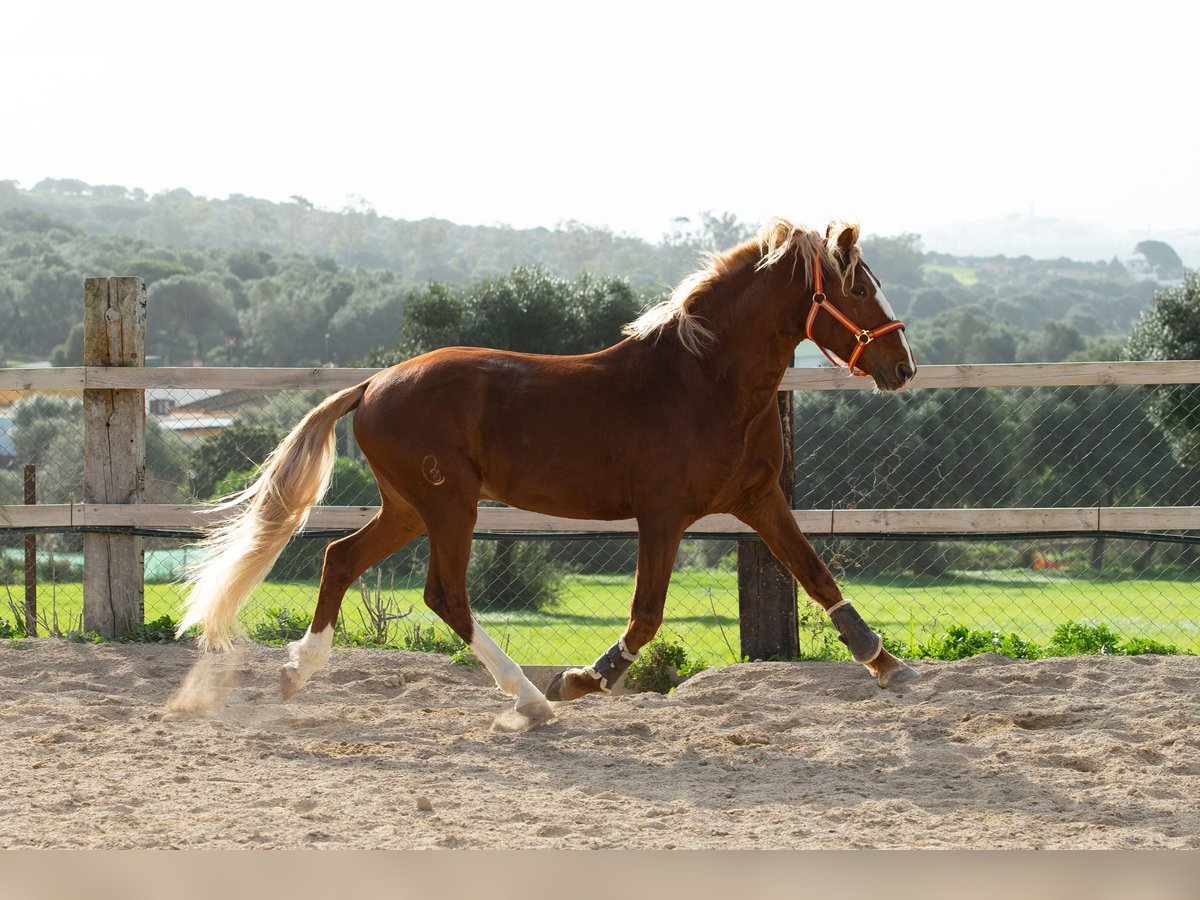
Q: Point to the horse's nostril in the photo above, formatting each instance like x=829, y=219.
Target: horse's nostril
x=903, y=372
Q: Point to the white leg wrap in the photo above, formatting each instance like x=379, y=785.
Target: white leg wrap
x=508, y=675
x=310, y=653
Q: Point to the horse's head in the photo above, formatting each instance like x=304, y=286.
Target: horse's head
x=848, y=317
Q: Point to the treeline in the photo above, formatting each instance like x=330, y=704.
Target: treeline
x=356, y=236
x=248, y=282
x=219, y=306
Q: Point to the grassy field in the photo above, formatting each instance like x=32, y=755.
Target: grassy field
x=964, y=275
x=701, y=609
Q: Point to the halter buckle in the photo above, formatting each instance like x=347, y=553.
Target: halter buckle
x=865, y=337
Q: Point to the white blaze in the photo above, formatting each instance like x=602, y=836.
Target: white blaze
x=891, y=314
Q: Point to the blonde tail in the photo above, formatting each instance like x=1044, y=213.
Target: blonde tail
x=239, y=554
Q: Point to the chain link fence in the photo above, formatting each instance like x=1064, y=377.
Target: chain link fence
x=564, y=598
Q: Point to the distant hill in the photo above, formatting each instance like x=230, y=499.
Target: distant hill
x=1044, y=237
x=247, y=281
x=420, y=251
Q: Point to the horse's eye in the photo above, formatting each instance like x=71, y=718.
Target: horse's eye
x=858, y=291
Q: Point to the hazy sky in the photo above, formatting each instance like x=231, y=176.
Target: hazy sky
x=904, y=115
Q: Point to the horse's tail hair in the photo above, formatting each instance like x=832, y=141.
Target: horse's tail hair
x=238, y=554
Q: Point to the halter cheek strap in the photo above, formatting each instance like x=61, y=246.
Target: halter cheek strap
x=862, y=335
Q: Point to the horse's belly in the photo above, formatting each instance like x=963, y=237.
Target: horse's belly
x=571, y=498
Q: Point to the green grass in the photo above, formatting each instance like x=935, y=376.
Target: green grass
x=964, y=275
x=701, y=612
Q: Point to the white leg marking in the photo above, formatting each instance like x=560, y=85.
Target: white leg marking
x=507, y=673
x=310, y=653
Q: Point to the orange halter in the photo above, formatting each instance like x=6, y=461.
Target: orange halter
x=862, y=335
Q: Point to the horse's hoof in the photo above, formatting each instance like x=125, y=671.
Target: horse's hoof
x=554, y=690
x=290, y=682
x=898, y=677
x=524, y=718
x=571, y=685
x=536, y=711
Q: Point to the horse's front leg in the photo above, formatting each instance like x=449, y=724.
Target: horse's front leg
x=657, y=546
x=772, y=518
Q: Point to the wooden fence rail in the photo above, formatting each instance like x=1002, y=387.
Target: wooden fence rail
x=1015, y=375
x=1081, y=520
x=114, y=386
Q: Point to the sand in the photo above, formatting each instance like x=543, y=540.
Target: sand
x=396, y=750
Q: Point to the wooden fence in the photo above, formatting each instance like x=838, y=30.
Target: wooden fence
x=114, y=381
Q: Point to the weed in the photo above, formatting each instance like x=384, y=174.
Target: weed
x=50, y=626
x=430, y=640
x=281, y=626
x=661, y=666
x=823, y=640
x=1074, y=639
x=9, y=630
x=160, y=631
x=378, y=617
x=960, y=642
x=77, y=636
x=1144, y=646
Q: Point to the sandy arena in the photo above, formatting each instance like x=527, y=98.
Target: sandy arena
x=983, y=753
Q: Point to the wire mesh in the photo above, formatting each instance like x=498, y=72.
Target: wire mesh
x=565, y=599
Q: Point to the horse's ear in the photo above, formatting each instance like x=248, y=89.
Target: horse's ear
x=847, y=237
x=846, y=240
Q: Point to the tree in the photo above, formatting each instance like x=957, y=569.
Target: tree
x=1170, y=329
x=1162, y=258
x=70, y=351
x=234, y=449
x=711, y=231
x=928, y=303
x=896, y=259
x=1054, y=343
x=964, y=334
x=188, y=315
x=528, y=310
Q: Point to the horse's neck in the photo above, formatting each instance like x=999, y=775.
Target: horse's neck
x=756, y=339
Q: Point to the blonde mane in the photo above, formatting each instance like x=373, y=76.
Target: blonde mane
x=777, y=241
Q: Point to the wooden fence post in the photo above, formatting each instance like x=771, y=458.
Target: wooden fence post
x=114, y=452
x=767, y=608
x=31, y=622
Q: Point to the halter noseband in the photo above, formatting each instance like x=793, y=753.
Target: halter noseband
x=862, y=335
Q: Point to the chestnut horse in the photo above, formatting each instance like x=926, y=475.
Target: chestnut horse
x=677, y=421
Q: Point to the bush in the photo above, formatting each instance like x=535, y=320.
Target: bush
x=1073, y=639
x=661, y=666
x=160, y=631
x=960, y=642
x=281, y=626
x=9, y=630
x=430, y=640
x=1145, y=646
x=512, y=575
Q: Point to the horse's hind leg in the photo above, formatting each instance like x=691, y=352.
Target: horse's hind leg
x=450, y=535
x=395, y=525
x=657, y=546
x=772, y=518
